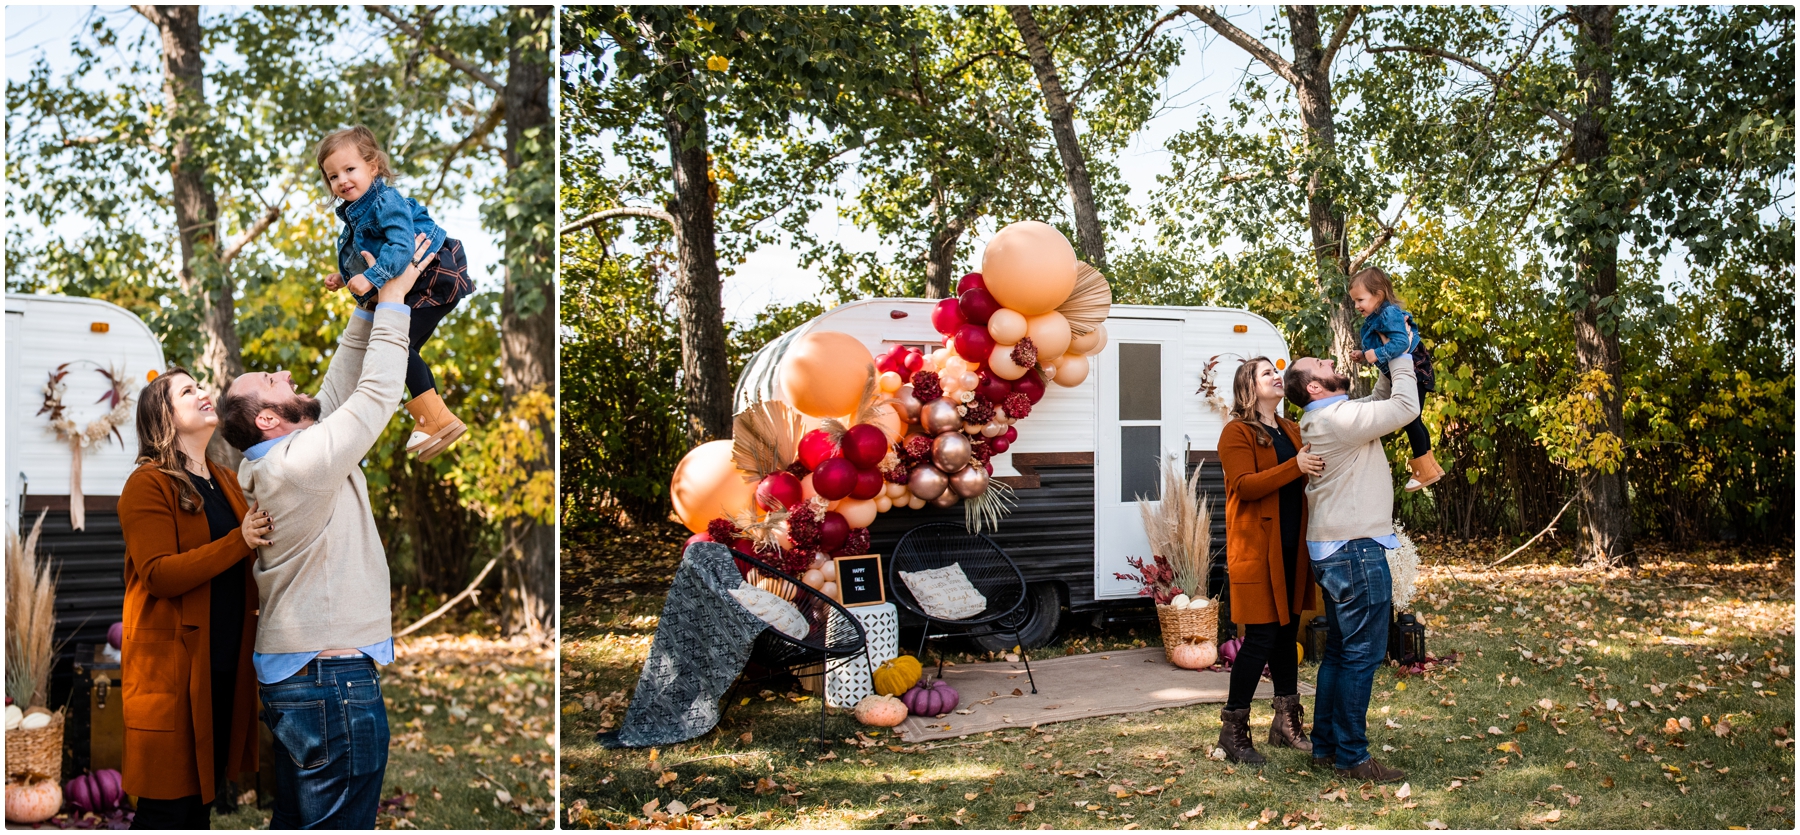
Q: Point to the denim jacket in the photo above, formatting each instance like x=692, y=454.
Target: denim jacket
x=382, y=223
x=1390, y=320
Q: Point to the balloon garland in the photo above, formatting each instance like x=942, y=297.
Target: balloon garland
x=855, y=435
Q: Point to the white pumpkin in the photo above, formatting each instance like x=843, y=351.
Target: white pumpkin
x=1179, y=602
x=13, y=716
x=34, y=721
x=1199, y=603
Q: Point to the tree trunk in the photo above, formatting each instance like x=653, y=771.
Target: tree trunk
x=705, y=386
x=528, y=313
x=196, y=211
x=1605, y=510
x=1318, y=112
x=940, y=262
x=1068, y=145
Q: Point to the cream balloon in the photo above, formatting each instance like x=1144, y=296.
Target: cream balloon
x=829, y=589
x=1050, y=333
x=1091, y=343
x=806, y=489
x=857, y=512
x=970, y=482
x=1071, y=370
x=829, y=569
x=893, y=490
x=1029, y=267
x=823, y=372
x=813, y=578
x=1000, y=362
x=968, y=382
x=1006, y=326
x=707, y=485
x=926, y=483
x=993, y=430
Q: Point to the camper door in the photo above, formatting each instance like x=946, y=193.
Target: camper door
x=1138, y=420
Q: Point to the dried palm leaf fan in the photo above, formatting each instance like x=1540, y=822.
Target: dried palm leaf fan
x=764, y=439
x=30, y=619
x=1090, y=301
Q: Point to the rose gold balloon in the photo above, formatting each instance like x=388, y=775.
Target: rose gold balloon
x=909, y=405
x=1029, y=267
x=1071, y=370
x=926, y=483
x=937, y=416
x=823, y=373
x=951, y=452
x=947, y=499
x=993, y=430
x=1050, y=333
x=970, y=482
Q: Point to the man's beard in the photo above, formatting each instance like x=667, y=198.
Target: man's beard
x=1338, y=383
x=302, y=407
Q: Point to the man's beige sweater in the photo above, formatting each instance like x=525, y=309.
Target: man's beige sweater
x=1354, y=497
x=323, y=579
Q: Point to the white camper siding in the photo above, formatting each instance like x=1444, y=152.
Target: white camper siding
x=1208, y=334
x=42, y=333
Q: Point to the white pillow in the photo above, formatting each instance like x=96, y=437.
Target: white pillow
x=945, y=593
x=772, y=609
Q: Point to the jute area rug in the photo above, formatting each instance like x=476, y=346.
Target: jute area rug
x=1069, y=687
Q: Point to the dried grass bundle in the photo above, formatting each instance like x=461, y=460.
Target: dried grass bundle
x=30, y=619
x=765, y=438
x=1089, y=303
x=1180, y=527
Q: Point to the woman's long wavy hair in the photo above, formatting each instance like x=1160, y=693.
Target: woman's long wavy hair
x=157, y=436
x=1243, y=396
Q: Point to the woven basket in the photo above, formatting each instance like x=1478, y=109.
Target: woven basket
x=39, y=749
x=774, y=585
x=1181, y=625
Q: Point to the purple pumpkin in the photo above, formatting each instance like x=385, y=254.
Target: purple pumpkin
x=931, y=699
x=1229, y=650
x=98, y=792
x=115, y=635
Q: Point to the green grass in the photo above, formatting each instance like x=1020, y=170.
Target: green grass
x=1653, y=637
x=470, y=716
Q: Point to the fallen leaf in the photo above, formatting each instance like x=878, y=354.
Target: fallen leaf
x=1434, y=823
x=746, y=737
x=1404, y=792
x=1025, y=807
x=651, y=806
x=1552, y=816
x=1194, y=812
x=1570, y=766
x=971, y=795
x=676, y=807
x=1722, y=728
x=666, y=778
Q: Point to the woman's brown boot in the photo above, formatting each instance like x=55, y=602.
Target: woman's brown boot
x=1288, y=730
x=1234, y=737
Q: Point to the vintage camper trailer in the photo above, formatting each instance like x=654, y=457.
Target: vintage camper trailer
x=1086, y=453
x=42, y=333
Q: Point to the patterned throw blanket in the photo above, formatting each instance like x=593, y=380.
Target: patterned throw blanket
x=701, y=645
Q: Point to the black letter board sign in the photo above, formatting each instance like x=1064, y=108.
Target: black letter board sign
x=859, y=580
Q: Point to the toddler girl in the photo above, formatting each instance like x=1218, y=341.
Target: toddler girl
x=381, y=221
x=1385, y=335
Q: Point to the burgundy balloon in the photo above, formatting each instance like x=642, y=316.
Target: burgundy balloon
x=868, y=484
x=978, y=304
x=970, y=281
x=833, y=530
x=999, y=445
x=778, y=490
x=993, y=388
x=1031, y=385
x=1011, y=434
x=743, y=546
x=947, y=316
x=973, y=343
x=834, y=478
x=815, y=447
x=864, y=445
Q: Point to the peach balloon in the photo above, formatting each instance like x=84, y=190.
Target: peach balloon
x=1029, y=267
x=1089, y=344
x=1000, y=362
x=895, y=491
x=806, y=488
x=1007, y=327
x=858, y=512
x=706, y=486
x=889, y=382
x=823, y=373
x=1071, y=370
x=1050, y=333
x=889, y=420
x=883, y=504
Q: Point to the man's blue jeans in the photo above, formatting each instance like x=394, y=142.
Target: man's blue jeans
x=1358, y=594
x=331, y=744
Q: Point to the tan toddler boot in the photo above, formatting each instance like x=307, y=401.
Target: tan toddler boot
x=435, y=428
x=1425, y=472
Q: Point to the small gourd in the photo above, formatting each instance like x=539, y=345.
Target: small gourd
x=34, y=799
x=933, y=698
x=14, y=716
x=34, y=721
x=897, y=675
x=880, y=711
x=1179, y=602
x=1196, y=656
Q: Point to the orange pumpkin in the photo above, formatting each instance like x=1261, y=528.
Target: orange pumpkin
x=880, y=711
x=1195, y=656
x=34, y=800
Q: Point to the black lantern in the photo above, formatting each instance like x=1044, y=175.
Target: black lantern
x=1315, y=639
x=1406, y=640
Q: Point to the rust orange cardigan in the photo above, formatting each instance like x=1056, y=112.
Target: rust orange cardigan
x=170, y=561
x=1253, y=481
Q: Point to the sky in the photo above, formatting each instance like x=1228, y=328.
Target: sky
x=46, y=31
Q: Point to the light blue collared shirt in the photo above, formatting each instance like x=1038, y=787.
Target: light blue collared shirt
x=276, y=667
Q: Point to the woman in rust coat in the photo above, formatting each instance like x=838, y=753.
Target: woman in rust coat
x=1265, y=552
x=190, y=612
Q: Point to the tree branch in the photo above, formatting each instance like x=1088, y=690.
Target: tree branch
x=256, y=229
x=451, y=602
x=1250, y=44
x=445, y=54
x=1493, y=78
x=1338, y=36
x=1127, y=57
x=1381, y=239
x=481, y=132
x=622, y=211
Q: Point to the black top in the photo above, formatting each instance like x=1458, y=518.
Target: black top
x=227, y=588
x=1292, y=494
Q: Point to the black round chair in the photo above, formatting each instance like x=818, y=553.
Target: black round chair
x=989, y=570
x=832, y=632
